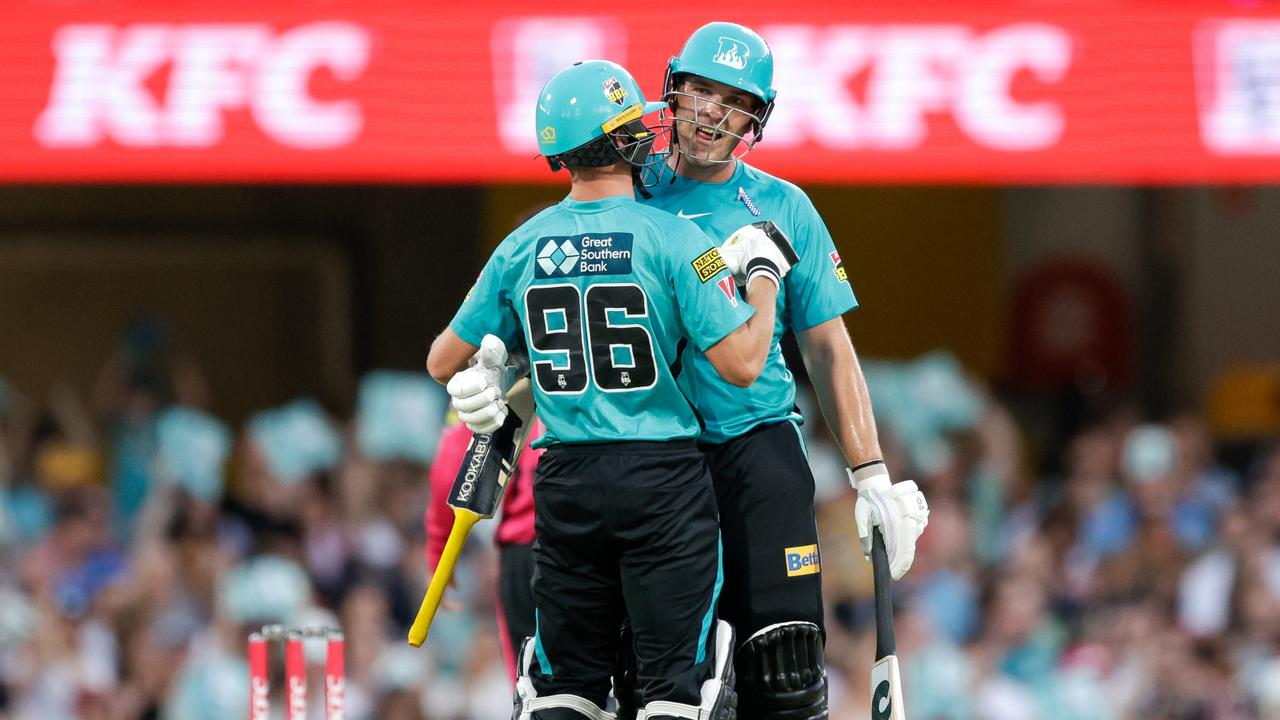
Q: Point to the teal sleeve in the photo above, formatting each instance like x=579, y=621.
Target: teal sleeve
x=818, y=288
x=710, y=307
x=487, y=308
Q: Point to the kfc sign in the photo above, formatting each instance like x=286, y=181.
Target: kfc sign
x=101, y=92
x=913, y=71
x=916, y=91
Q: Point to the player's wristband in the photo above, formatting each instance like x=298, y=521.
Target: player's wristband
x=869, y=475
x=762, y=267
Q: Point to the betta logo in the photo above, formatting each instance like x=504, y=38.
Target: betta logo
x=614, y=91
x=803, y=560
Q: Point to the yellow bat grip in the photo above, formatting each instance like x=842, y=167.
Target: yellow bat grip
x=463, y=520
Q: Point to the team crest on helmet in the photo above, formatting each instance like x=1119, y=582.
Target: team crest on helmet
x=733, y=53
x=548, y=134
x=614, y=91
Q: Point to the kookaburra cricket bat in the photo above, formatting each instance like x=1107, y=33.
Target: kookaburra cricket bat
x=477, y=493
x=886, y=682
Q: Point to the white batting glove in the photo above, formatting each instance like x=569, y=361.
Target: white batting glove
x=898, y=509
x=750, y=253
x=477, y=393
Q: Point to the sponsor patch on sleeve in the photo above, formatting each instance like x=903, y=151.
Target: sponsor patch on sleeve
x=838, y=266
x=803, y=560
x=729, y=288
x=708, y=264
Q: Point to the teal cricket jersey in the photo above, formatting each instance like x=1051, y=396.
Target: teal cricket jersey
x=601, y=295
x=814, y=292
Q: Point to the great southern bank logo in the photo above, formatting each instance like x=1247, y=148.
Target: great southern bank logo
x=589, y=254
x=560, y=257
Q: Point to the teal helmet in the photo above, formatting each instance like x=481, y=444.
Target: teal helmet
x=732, y=54
x=583, y=107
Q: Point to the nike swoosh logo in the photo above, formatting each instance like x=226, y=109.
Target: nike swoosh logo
x=681, y=214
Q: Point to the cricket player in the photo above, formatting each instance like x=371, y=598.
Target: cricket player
x=720, y=95
x=603, y=294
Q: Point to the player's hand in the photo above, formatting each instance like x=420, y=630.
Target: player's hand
x=898, y=509
x=750, y=253
x=477, y=392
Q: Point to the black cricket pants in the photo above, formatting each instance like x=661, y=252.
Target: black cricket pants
x=772, y=566
x=624, y=530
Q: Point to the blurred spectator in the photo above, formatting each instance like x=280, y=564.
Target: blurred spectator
x=1141, y=579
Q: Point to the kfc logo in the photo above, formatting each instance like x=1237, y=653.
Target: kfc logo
x=100, y=92
x=913, y=71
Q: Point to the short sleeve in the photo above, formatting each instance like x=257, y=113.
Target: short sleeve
x=487, y=308
x=818, y=288
x=706, y=294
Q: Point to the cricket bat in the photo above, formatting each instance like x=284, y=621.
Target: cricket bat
x=886, y=682
x=477, y=493
x=780, y=240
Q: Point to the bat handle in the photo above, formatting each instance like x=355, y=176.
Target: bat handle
x=462, y=522
x=885, y=643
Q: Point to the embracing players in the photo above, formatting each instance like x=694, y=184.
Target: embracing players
x=604, y=294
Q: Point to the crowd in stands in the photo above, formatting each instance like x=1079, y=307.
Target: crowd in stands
x=1129, y=575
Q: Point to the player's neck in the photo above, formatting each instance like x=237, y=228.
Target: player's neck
x=599, y=183
x=701, y=171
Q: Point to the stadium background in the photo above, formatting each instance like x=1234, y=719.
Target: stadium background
x=1060, y=218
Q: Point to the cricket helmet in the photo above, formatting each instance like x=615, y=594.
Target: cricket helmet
x=583, y=106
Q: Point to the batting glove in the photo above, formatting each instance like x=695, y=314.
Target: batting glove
x=477, y=393
x=898, y=509
x=750, y=253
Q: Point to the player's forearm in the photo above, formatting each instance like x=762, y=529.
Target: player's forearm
x=740, y=356
x=762, y=295
x=842, y=391
x=449, y=356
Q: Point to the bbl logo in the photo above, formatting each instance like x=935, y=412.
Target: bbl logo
x=614, y=91
x=733, y=53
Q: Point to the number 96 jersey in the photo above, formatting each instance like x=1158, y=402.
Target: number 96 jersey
x=604, y=295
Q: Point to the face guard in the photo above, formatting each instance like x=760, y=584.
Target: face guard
x=626, y=137
x=715, y=118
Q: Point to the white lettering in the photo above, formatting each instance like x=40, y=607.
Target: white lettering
x=297, y=698
x=911, y=73
x=259, y=700
x=1238, y=77
x=99, y=91
x=984, y=107
x=283, y=107
x=210, y=63
x=335, y=688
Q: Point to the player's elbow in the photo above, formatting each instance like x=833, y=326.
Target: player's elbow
x=734, y=360
x=439, y=366
x=741, y=372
